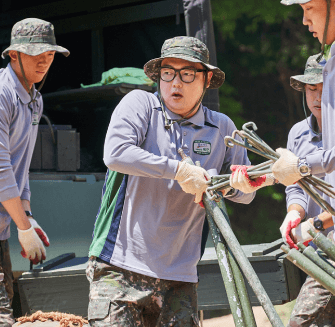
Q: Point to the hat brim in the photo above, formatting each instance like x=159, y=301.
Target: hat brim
x=151, y=69
x=298, y=82
x=292, y=2
x=35, y=49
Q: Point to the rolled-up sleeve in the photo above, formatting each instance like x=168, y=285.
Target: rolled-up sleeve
x=26, y=191
x=126, y=133
x=322, y=161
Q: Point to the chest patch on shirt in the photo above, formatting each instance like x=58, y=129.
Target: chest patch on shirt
x=202, y=147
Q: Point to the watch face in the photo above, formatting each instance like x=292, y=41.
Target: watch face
x=303, y=169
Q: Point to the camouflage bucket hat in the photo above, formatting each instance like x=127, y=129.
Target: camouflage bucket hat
x=187, y=48
x=312, y=75
x=292, y=2
x=33, y=36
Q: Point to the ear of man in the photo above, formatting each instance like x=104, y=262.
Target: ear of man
x=209, y=77
x=13, y=55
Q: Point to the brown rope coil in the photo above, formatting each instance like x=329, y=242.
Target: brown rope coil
x=65, y=319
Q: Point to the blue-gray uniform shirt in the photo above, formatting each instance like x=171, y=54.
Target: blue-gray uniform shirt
x=302, y=140
x=149, y=225
x=18, y=132
x=323, y=161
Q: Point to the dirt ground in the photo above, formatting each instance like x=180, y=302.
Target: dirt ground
x=262, y=320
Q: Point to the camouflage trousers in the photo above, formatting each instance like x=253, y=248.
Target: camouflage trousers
x=119, y=297
x=6, y=286
x=315, y=305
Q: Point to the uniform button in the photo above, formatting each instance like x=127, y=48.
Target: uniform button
x=184, y=133
x=326, y=73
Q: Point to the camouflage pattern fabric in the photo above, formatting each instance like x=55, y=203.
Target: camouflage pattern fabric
x=187, y=48
x=312, y=75
x=315, y=306
x=33, y=36
x=6, y=286
x=292, y=2
x=120, y=297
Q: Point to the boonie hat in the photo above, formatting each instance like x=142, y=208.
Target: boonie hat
x=312, y=75
x=292, y=2
x=33, y=36
x=187, y=48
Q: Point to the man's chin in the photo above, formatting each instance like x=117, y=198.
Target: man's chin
x=39, y=79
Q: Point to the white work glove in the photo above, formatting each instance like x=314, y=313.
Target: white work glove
x=239, y=179
x=300, y=233
x=32, y=246
x=292, y=220
x=285, y=169
x=40, y=232
x=192, y=179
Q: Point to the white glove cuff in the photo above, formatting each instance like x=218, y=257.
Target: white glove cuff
x=182, y=171
x=270, y=180
x=26, y=231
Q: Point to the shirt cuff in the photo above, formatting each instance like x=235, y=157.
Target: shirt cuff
x=171, y=169
x=25, y=195
x=297, y=200
x=8, y=193
x=314, y=160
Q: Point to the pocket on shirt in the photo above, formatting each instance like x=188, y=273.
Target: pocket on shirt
x=98, y=309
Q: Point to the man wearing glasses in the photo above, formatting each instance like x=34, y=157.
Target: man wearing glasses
x=148, y=235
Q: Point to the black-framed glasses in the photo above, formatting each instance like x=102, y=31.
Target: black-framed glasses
x=187, y=75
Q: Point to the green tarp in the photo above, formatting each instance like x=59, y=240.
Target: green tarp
x=128, y=75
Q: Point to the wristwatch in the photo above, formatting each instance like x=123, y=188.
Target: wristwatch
x=304, y=168
x=318, y=224
x=29, y=213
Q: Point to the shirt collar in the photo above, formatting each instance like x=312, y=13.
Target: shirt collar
x=329, y=51
x=312, y=122
x=20, y=90
x=197, y=119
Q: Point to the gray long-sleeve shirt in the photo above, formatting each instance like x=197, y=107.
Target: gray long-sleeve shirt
x=323, y=160
x=18, y=132
x=151, y=226
x=302, y=140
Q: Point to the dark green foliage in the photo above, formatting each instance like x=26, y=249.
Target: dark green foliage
x=260, y=44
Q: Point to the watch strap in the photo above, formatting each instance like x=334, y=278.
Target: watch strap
x=29, y=213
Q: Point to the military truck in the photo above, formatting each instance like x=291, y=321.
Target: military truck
x=67, y=171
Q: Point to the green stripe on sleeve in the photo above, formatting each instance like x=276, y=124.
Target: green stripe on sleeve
x=104, y=220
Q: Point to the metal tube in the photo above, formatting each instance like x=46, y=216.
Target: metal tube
x=249, y=273
x=319, y=180
x=243, y=295
x=247, y=146
x=323, y=263
x=258, y=143
x=248, y=314
x=310, y=268
x=222, y=255
x=254, y=143
x=316, y=197
x=322, y=188
x=261, y=165
x=323, y=243
x=227, y=274
x=226, y=183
